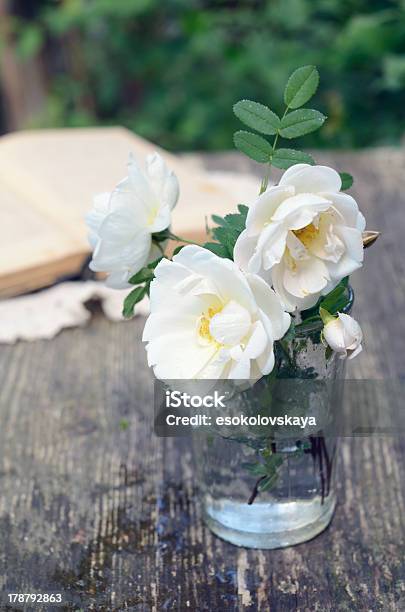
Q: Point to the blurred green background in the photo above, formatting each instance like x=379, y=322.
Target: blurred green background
x=171, y=69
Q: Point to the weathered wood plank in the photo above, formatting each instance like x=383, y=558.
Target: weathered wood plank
x=109, y=515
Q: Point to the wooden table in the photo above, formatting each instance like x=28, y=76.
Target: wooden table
x=93, y=505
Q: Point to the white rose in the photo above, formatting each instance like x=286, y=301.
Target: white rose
x=302, y=236
x=210, y=321
x=122, y=222
x=344, y=335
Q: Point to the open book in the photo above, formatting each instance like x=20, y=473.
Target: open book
x=47, y=181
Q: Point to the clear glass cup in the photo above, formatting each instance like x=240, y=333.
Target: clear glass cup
x=273, y=487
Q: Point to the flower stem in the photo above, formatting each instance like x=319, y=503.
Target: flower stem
x=255, y=490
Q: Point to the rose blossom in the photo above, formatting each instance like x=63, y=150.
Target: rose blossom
x=344, y=335
x=122, y=222
x=211, y=321
x=302, y=236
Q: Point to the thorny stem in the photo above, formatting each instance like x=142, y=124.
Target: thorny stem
x=255, y=490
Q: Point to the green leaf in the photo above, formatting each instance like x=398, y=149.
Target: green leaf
x=301, y=86
x=336, y=299
x=268, y=482
x=227, y=237
x=253, y=146
x=301, y=122
x=236, y=221
x=273, y=462
x=217, y=248
x=132, y=299
x=290, y=334
x=144, y=275
x=243, y=209
x=152, y=265
x=257, y=469
x=161, y=236
x=285, y=158
x=307, y=326
x=218, y=220
x=229, y=229
x=347, y=180
x=257, y=116
x=325, y=316
x=178, y=249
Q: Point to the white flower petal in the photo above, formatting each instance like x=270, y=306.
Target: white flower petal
x=311, y=179
x=165, y=183
x=217, y=367
x=177, y=355
x=244, y=249
x=300, y=210
x=261, y=211
x=351, y=329
x=270, y=248
x=257, y=342
x=355, y=352
x=138, y=184
x=266, y=361
x=348, y=209
x=327, y=244
x=112, y=256
x=344, y=267
x=353, y=242
x=228, y=282
x=307, y=277
x=161, y=220
x=119, y=279
x=240, y=370
x=269, y=302
x=119, y=226
x=289, y=301
x=161, y=323
x=96, y=216
x=231, y=324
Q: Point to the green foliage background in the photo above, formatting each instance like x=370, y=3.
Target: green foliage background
x=172, y=69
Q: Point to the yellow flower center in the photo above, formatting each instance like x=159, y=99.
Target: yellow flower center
x=204, y=325
x=307, y=234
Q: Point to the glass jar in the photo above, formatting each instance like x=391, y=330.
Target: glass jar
x=274, y=486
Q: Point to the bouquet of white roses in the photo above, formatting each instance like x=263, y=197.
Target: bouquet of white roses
x=274, y=267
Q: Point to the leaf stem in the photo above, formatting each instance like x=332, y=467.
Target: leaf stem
x=265, y=181
x=180, y=239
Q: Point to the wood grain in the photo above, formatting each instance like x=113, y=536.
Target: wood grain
x=109, y=516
